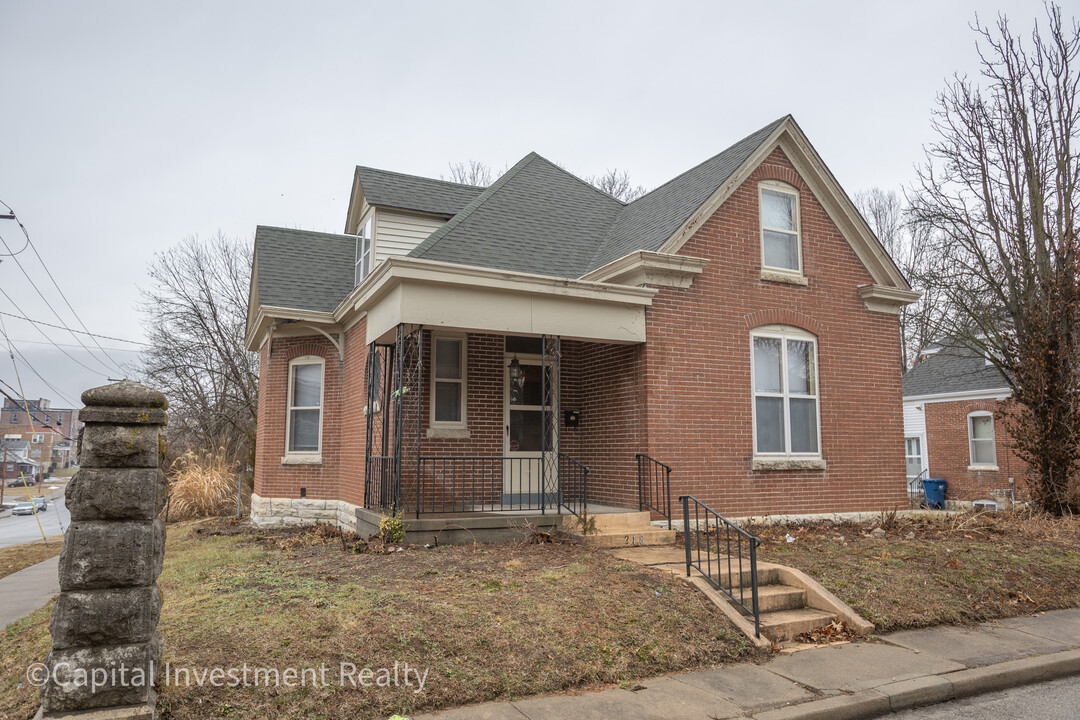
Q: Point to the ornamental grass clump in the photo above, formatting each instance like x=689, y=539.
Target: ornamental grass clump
x=202, y=485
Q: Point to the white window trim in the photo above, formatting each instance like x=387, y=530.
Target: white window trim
x=763, y=460
x=304, y=457
x=780, y=187
x=435, y=426
x=971, y=441
x=37, y=438
x=366, y=230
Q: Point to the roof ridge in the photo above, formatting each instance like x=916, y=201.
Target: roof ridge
x=301, y=230
x=420, y=177
x=581, y=180
x=434, y=238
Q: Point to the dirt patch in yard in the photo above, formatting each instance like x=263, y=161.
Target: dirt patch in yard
x=937, y=569
x=485, y=621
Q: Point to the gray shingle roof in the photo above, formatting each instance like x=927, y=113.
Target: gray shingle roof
x=536, y=218
x=951, y=370
x=302, y=269
x=411, y=192
x=650, y=220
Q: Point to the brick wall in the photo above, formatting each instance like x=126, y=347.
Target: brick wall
x=949, y=455
x=698, y=367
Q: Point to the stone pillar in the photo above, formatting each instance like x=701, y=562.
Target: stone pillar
x=105, y=644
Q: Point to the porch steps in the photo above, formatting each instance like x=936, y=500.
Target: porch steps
x=623, y=529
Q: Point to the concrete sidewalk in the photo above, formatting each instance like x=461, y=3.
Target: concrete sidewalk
x=24, y=592
x=849, y=681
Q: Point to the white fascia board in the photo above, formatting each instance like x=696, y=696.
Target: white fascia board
x=643, y=267
x=959, y=396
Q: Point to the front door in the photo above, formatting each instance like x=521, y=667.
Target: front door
x=524, y=411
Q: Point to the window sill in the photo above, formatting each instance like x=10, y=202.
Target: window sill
x=305, y=459
x=983, y=468
x=791, y=278
x=780, y=463
x=437, y=433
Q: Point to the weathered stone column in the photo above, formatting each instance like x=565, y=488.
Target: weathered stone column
x=105, y=644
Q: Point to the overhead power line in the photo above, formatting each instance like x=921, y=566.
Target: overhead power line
x=80, y=332
x=14, y=256
x=53, y=343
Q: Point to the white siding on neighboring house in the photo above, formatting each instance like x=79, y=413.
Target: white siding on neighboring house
x=397, y=233
x=914, y=420
x=915, y=427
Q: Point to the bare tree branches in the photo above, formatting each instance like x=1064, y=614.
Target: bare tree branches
x=617, y=184
x=472, y=172
x=998, y=194
x=195, y=319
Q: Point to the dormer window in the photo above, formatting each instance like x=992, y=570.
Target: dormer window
x=363, y=251
x=781, y=249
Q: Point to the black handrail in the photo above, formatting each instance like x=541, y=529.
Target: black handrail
x=654, y=486
x=381, y=489
x=697, y=537
x=573, y=485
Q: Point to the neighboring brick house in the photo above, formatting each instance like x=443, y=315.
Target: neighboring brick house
x=738, y=324
x=952, y=426
x=50, y=431
x=15, y=462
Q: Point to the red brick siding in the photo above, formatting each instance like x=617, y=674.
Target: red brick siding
x=272, y=479
x=353, y=423
x=949, y=455
x=698, y=367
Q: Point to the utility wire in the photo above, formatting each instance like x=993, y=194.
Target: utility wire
x=80, y=332
x=53, y=343
x=12, y=351
x=25, y=404
x=58, y=289
x=68, y=345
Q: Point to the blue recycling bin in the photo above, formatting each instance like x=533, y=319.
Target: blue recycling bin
x=934, y=489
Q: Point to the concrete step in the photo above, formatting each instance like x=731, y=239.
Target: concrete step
x=719, y=572
x=786, y=624
x=630, y=538
x=617, y=522
x=775, y=598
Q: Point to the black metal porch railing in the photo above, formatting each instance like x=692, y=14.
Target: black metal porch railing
x=654, y=486
x=573, y=485
x=715, y=544
x=381, y=484
x=494, y=483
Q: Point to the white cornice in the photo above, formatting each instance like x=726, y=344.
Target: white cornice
x=885, y=299
x=642, y=267
x=959, y=396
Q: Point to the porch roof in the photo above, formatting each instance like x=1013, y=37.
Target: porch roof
x=460, y=297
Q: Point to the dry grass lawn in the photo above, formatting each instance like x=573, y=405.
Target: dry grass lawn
x=486, y=621
x=17, y=557
x=937, y=569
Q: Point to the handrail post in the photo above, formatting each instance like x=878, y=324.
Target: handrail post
x=667, y=492
x=685, y=499
x=754, y=586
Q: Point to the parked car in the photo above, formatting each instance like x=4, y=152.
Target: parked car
x=23, y=508
x=42, y=504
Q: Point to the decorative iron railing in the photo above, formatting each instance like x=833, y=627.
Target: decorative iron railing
x=382, y=489
x=725, y=554
x=654, y=486
x=494, y=483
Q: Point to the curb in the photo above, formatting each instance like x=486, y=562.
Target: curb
x=932, y=689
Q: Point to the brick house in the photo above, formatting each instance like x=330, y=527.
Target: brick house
x=952, y=426
x=51, y=431
x=463, y=352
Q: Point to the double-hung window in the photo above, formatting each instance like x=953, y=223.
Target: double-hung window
x=780, y=246
x=448, y=382
x=784, y=375
x=981, y=440
x=304, y=419
x=363, y=251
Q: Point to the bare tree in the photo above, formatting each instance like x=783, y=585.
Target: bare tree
x=617, y=184
x=472, y=172
x=999, y=191
x=195, y=315
x=909, y=244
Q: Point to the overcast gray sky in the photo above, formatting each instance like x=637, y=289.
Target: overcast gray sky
x=125, y=126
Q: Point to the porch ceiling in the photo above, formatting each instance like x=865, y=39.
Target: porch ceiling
x=441, y=295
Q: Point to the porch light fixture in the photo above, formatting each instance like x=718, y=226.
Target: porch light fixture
x=515, y=369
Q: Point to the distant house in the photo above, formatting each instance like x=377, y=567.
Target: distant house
x=51, y=431
x=530, y=347
x=953, y=428
x=15, y=461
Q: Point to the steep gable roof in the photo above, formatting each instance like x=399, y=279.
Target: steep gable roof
x=536, y=218
x=302, y=269
x=951, y=370
x=412, y=192
x=648, y=222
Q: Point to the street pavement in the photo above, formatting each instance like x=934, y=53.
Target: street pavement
x=1057, y=700
x=20, y=529
x=893, y=673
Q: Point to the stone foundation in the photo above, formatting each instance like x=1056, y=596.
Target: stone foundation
x=276, y=512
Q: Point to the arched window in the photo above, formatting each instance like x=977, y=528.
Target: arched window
x=981, y=439
x=785, y=384
x=303, y=420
